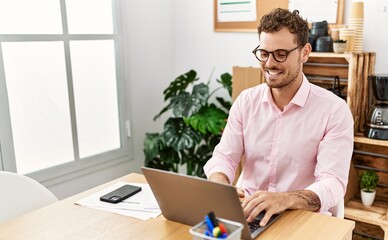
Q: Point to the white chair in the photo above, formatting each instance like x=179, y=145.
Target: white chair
x=339, y=210
x=20, y=194
x=336, y=211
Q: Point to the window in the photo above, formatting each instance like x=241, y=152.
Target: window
x=61, y=87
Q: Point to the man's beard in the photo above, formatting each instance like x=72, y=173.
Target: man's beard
x=287, y=81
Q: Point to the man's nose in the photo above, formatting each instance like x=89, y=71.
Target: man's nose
x=271, y=60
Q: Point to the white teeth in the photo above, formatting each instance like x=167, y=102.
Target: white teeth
x=273, y=73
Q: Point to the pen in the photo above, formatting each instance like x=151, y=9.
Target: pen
x=212, y=217
x=209, y=223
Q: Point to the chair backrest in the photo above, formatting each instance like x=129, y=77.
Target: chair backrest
x=21, y=194
x=243, y=78
x=339, y=210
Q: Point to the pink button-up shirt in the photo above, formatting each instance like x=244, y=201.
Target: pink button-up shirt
x=307, y=146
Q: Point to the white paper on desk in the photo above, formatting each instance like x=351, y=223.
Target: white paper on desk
x=142, y=205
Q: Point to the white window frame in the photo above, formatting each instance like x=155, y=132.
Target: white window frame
x=78, y=167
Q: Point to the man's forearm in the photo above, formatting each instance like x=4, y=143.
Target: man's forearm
x=304, y=199
x=219, y=177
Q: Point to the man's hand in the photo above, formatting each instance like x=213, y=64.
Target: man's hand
x=240, y=192
x=274, y=203
x=222, y=178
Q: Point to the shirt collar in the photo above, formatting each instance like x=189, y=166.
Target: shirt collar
x=302, y=94
x=300, y=97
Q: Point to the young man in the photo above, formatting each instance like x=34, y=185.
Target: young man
x=296, y=138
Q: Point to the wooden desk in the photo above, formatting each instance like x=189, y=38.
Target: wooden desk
x=65, y=220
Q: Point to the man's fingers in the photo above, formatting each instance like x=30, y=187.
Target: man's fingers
x=240, y=192
x=266, y=218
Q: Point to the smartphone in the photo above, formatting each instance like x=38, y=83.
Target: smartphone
x=120, y=194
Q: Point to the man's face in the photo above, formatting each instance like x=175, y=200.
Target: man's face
x=281, y=75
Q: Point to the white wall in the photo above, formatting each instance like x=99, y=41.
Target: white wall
x=375, y=32
x=149, y=51
x=199, y=47
x=166, y=38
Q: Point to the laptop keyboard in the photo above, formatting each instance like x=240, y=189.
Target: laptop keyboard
x=255, y=224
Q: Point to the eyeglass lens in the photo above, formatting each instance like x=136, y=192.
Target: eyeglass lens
x=279, y=55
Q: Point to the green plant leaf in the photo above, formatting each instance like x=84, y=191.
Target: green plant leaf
x=209, y=119
x=186, y=104
x=369, y=180
x=191, y=135
x=158, y=163
x=170, y=156
x=212, y=140
x=203, y=154
x=201, y=93
x=178, y=135
x=226, y=104
x=153, y=143
x=226, y=82
x=158, y=155
x=196, y=160
x=165, y=109
x=179, y=84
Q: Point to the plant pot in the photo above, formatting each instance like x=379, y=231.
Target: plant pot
x=367, y=198
x=339, y=47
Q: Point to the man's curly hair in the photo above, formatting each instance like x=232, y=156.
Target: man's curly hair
x=279, y=18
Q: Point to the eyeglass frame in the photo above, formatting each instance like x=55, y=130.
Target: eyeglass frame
x=273, y=55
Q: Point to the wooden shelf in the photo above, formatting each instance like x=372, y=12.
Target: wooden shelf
x=331, y=55
x=375, y=214
x=364, y=140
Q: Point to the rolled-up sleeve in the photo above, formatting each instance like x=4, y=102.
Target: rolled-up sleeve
x=227, y=154
x=333, y=158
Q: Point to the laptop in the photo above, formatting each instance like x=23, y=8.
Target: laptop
x=187, y=199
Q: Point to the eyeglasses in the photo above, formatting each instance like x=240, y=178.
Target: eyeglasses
x=280, y=55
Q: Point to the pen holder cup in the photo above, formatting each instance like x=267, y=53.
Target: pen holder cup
x=234, y=230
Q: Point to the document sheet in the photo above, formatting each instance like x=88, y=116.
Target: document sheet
x=142, y=205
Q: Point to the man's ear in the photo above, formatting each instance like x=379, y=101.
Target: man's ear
x=306, y=52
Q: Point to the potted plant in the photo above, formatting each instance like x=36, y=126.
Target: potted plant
x=339, y=46
x=190, y=136
x=368, y=182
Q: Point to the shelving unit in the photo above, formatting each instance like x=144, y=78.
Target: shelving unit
x=353, y=70
x=369, y=154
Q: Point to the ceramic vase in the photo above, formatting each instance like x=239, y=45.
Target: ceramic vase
x=339, y=47
x=368, y=198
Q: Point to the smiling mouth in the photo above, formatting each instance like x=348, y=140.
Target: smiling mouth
x=273, y=73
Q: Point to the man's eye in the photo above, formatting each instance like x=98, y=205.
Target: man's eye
x=281, y=53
